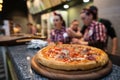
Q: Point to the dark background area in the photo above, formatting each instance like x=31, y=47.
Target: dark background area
x=11, y=6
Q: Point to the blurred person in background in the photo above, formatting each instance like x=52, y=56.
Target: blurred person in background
x=59, y=34
x=74, y=29
x=110, y=30
x=32, y=28
x=95, y=33
x=17, y=29
x=2, y=32
x=11, y=25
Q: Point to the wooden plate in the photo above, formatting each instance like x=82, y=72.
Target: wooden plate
x=71, y=75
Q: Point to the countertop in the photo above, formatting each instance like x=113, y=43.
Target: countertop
x=18, y=55
x=13, y=37
x=18, y=38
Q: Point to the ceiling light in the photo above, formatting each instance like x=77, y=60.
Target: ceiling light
x=85, y=1
x=66, y=6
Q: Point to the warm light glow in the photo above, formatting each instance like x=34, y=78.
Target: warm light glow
x=85, y=1
x=1, y=1
x=66, y=6
x=28, y=57
x=1, y=6
x=0, y=9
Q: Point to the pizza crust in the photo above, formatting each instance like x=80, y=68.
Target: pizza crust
x=75, y=65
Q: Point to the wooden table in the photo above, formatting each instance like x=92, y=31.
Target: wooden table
x=17, y=39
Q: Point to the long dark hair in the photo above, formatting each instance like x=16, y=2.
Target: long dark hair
x=86, y=11
x=94, y=10
x=61, y=18
x=89, y=12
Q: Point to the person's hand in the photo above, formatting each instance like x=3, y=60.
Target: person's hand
x=48, y=40
x=75, y=40
x=83, y=42
x=113, y=51
x=51, y=43
x=69, y=32
x=78, y=29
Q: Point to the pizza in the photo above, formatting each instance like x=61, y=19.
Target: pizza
x=71, y=57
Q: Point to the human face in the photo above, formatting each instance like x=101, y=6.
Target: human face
x=75, y=25
x=29, y=25
x=57, y=22
x=87, y=19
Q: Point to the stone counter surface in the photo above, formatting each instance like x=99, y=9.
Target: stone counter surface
x=18, y=55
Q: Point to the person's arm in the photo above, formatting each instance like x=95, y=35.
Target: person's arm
x=97, y=44
x=112, y=34
x=79, y=41
x=72, y=33
x=34, y=30
x=114, y=45
x=78, y=32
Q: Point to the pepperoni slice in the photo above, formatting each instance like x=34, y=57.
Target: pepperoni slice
x=90, y=57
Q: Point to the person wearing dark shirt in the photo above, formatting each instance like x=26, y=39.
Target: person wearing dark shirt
x=95, y=32
x=110, y=30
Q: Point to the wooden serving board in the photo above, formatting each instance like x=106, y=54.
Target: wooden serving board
x=71, y=75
